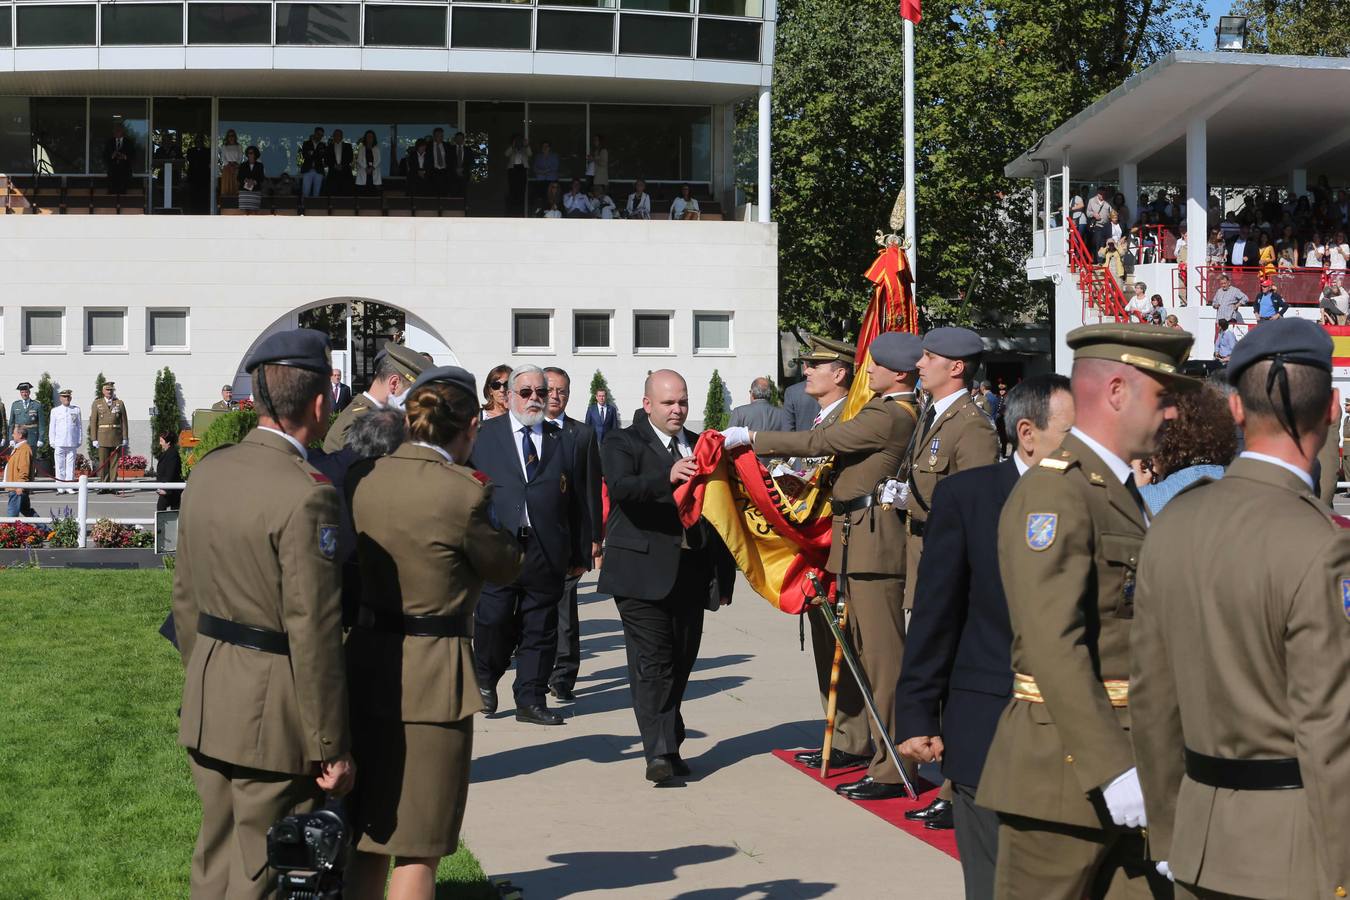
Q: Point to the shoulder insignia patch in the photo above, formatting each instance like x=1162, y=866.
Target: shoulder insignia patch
x=1341, y=521
x=1095, y=478
x=482, y=477
x=328, y=540
x=1058, y=465
x=1041, y=529
x=1345, y=596
x=320, y=478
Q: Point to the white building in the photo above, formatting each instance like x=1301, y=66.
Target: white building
x=92, y=283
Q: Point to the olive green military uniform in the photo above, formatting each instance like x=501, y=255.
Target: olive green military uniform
x=256, y=723
x=223, y=406
x=959, y=439
x=337, y=432
x=1243, y=653
x=427, y=541
x=108, y=428
x=867, y=449
x=1329, y=468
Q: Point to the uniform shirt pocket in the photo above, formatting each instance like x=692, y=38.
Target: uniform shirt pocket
x=1121, y=552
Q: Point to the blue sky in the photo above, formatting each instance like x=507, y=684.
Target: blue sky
x=1215, y=8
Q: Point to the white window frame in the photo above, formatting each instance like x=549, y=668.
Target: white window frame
x=579, y=350
x=669, y=314
x=730, y=348
x=23, y=330
x=522, y=350
x=88, y=332
x=150, y=330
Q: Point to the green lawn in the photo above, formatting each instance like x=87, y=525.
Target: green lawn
x=95, y=796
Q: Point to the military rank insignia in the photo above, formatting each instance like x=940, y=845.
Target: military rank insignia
x=328, y=541
x=1041, y=530
x=1345, y=596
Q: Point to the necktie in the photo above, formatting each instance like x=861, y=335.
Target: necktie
x=527, y=450
x=928, y=419
x=1138, y=497
x=674, y=447
x=817, y=420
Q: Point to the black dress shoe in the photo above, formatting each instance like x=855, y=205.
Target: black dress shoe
x=489, y=696
x=867, y=789
x=659, y=770
x=944, y=820
x=838, y=759
x=678, y=765
x=935, y=810
x=562, y=693
x=538, y=715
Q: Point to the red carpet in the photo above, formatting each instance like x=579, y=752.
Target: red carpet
x=892, y=811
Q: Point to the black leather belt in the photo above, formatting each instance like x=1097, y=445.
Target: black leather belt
x=844, y=507
x=916, y=527
x=1243, y=774
x=249, y=636
x=413, y=626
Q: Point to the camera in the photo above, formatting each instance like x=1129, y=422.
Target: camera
x=308, y=852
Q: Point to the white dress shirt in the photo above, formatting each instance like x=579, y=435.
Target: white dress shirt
x=1119, y=467
x=1276, y=461
x=941, y=406
x=826, y=410
x=1239, y=252
x=441, y=450
x=304, y=454
x=1022, y=466
x=577, y=202
x=537, y=438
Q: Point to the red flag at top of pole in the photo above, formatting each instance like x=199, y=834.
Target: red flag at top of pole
x=909, y=9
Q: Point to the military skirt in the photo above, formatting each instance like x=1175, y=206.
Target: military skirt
x=412, y=782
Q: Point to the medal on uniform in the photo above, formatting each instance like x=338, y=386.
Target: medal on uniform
x=1127, y=589
x=933, y=451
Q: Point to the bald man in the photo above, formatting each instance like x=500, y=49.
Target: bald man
x=662, y=576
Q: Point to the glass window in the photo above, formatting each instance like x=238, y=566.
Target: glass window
x=590, y=331
x=59, y=135
x=712, y=332
x=44, y=329
x=6, y=38
x=655, y=35
x=142, y=23
x=533, y=331
x=16, y=128
x=563, y=127
x=683, y=6
x=651, y=331
x=105, y=114
x=658, y=143
x=318, y=23
x=753, y=8
x=720, y=39
x=229, y=23
x=501, y=29
x=105, y=329
x=405, y=26
x=56, y=26
x=168, y=329
x=596, y=4
x=583, y=32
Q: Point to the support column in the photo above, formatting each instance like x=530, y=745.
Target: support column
x=1129, y=186
x=1065, y=194
x=1298, y=182
x=765, y=153
x=1197, y=205
x=910, y=224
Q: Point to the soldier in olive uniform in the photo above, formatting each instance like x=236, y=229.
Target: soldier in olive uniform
x=258, y=614
x=108, y=431
x=29, y=413
x=1240, y=669
x=1060, y=772
x=226, y=401
x=395, y=368
x=867, y=450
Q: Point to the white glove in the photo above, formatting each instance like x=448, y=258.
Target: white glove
x=736, y=436
x=1166, y=871
x=39, y=445
x=895, y=492
x=124, y=445
x=1125, y=799
x=94, y=444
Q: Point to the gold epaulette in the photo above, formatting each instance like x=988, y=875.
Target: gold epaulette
x=1059, y=465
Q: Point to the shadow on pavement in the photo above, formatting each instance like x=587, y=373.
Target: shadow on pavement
x=764, y=890
x=732, y=750
x=576, y=873
x=599, y=748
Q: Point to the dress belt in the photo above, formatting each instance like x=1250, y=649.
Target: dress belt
x=844, y=507
x=1243, y=774
x=413, y=626
x=240, y=635
x=1026, y=689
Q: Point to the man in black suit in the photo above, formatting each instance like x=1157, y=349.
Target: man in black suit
x=118, y=153
x=439, y=151
x=538, y=482
x=314, y=164
x=567, y=664
x=1242, y=249
x=957, y=674
x=461, y=168
x=601, y=416
x=340, y=165
x=416, y=168
x=661, y=575
x=342, y=393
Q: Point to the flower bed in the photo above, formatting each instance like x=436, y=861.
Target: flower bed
x=19, y=535
x=110, y=534
x=64, y=533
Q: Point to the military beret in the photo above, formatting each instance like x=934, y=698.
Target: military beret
x=448, y=375
x=65, y=393
x=300, y=348
x=409, y=363
x=821, y=349
x=1157, y=349
x=953, y=343
x=24, y=386
x=898, y=351
x=1299, y=341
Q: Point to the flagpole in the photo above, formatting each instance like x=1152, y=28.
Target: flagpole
x=910, y=233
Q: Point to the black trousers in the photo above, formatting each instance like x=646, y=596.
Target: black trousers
x=567, y=663
x=661, y=638
x=521, y=616
x=516, y=178
x=977, y=840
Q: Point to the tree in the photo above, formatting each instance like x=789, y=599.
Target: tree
x=229, y=428
x=1297, y=27
x=715, y=407
x=168, y=414
x=598, y=383
x=45, y=396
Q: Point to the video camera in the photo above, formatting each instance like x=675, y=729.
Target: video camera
x=308, y=851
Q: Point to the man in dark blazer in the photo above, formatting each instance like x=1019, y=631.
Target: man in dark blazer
x=662, y=576
x=118, y=153
x=1241, y=249
x=538, y=491
x=567, y=664
x=601, y=416
x=416, y=168
x=957, y=674
x=800, y=407
x=760, y=414
x=340, y=158
x=461, y=167
x=341, y=393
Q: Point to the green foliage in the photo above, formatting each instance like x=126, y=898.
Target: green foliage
x=45, y=397
x=168, y=414
x=1298, y=27
x=715, y=407
x=64, y=530
x=598, y=383
x=228, y=429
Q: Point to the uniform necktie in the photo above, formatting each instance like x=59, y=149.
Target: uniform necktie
x=928, y=419
x=674, y=447
x=1138, y=497
x=527, y=450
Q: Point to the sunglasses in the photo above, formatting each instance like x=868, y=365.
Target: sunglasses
x=526, y=393
x=496, y=385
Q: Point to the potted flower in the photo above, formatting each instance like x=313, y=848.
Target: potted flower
x=131, y=467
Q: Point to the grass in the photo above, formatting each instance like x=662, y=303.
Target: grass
x=95, y=796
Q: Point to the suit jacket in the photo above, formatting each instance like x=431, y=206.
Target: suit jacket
x=602, y=421
x=555, y=497
x=411, y=165
x=957, y=673
x=340, y=158
x=1251, y=256
x=643, y=534
x=1070, y=587
x=427, y=541
x=588, y=449
x=761, y=415
x=19, y=467
x=1245, y=656
x=800, y=407
x=344, y=397
x=128, y=150
x=315, y=157
x=243, y=706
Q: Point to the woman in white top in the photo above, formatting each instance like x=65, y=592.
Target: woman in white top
x=1314, y=254
x=639, y=202
x=685, y=206
x=368, y=161
x=1139, y=307
x=1338, y=254
x=597, y=165
x=1116, y=230
x=231, y=155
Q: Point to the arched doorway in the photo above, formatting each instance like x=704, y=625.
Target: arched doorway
x=359, y=327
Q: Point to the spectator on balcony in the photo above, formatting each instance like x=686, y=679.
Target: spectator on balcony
x=1287, y=241
x=1242, y=250
x=1229, y=299
x=1110, y=257
x=1225, y=341
x=517, y=174
x=576, y=204
x=339, y=164
x=1314, y=254
x=416, y=169
x=639, y=202
x=1269, y=305
x=1338, y=253
x=545, y=169
x=251, y=181
x=603, y=204
x=1114, y=232
x=1121, y=207
x=1156, y=312
x=1335, y=303
x=118, y=154
x=1265, y=254
x=551, y=207
x=685, y=206
x=1078, y=215
x=1138, y=308
x=1286, y=261
x=1229, y=227
x=368, y=173
x=314, y=163
x=231, y=155
x=1099, y=218
x=1215, y=251
x=597, y=166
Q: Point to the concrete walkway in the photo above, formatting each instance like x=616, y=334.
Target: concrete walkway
x=565, y=811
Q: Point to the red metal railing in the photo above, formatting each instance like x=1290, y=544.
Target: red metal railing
x=1299, y=286
x=1096, y=283
x=1163, y=239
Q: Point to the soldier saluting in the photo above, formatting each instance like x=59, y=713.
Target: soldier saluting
x=1239, y=686
x=1060, y=772
x=108, y=431
x=264, y=715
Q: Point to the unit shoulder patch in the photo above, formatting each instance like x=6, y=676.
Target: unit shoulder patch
x=1345, y=596
x=328, y=541
x=1041, y=529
